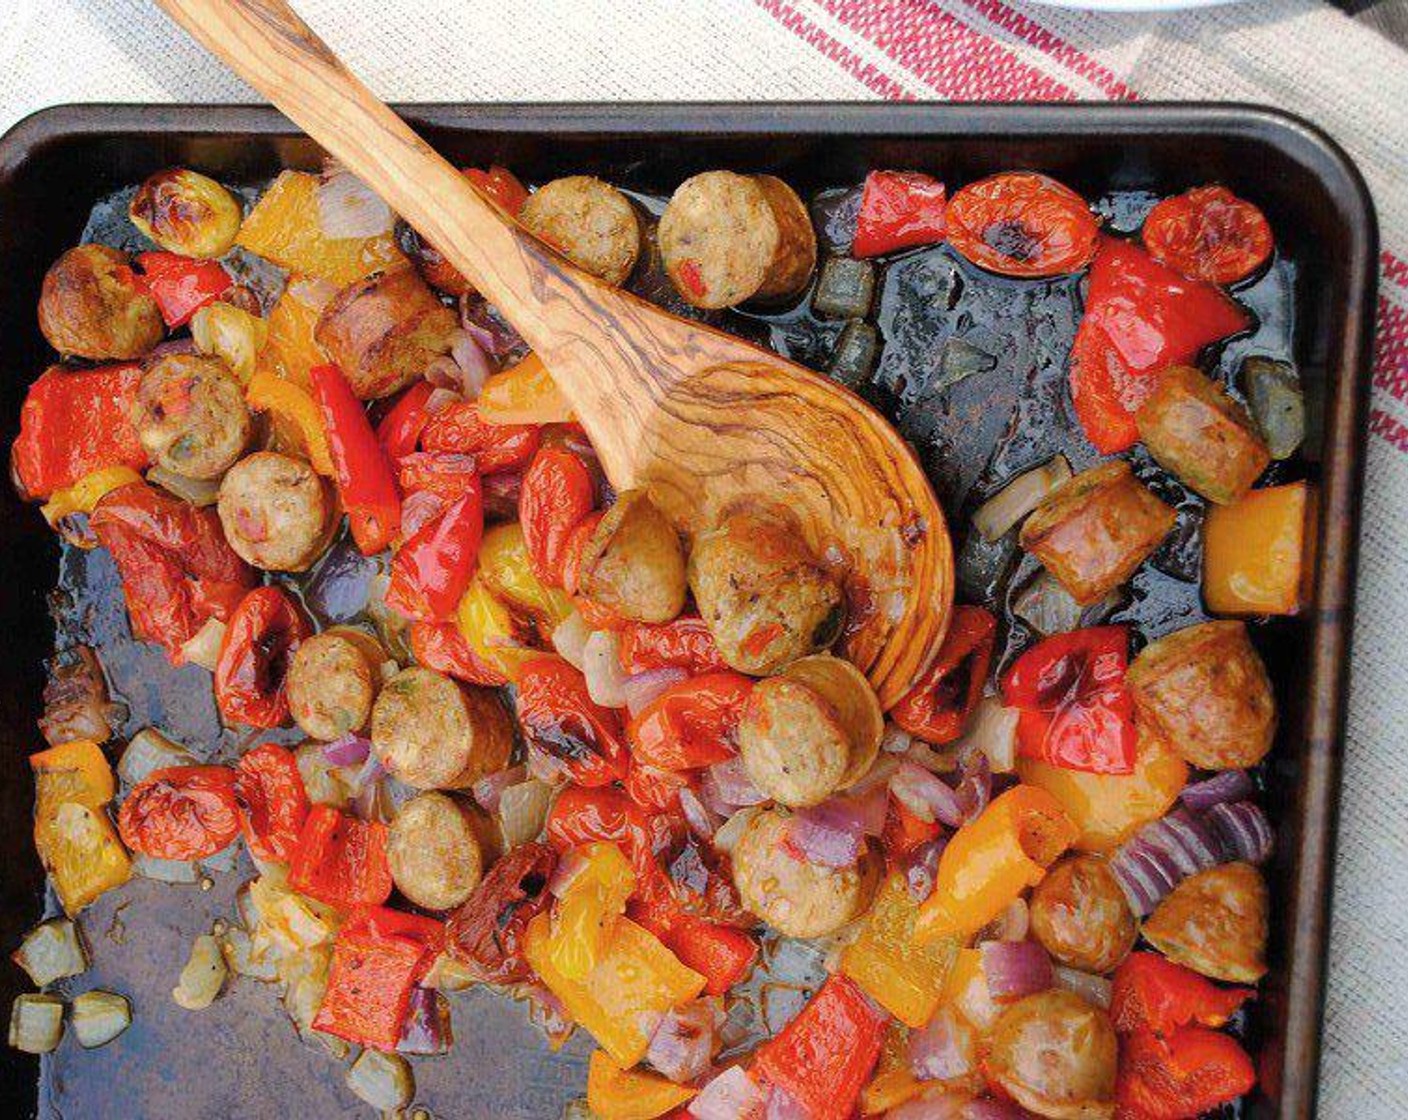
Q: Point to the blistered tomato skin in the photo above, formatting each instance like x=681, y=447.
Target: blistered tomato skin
x=1208, y=234
x=182, y=813
x=1022, y=224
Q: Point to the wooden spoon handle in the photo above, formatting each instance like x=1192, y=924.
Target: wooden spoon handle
x=269, y=46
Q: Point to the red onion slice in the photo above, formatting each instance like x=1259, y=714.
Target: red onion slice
x=1093, y=989
x=702, y=822
x=489, y=789
x=684, y=1042
x=927, y=796
x=440, y=399
x=935, y=1106
x=1243, y=831
x=569, y=638
x=1014, y=969
x=896, y=739
x=829, y=834
x=921, y=868
x=732, y=1095
x=427, y=1026
x=944, y=1050
x=472, y=361
x=975, y=784
x=1161, y=855
x=350, y=749
x=1229, y=785
x=988, y=1108
x=727, y=787
x=348, y=208
x=640, y=689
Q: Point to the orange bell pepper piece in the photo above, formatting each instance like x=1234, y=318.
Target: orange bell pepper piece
x=267, y=392
x=1254, y=552
x=894, y=1081
x=76, y=771
x=990, y=861
x=904, y=978
x=616, y=1093
x=81, y=852
x=524, y=394
x=637, y=978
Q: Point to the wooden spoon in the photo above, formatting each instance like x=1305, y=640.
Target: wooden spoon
x=703, y=420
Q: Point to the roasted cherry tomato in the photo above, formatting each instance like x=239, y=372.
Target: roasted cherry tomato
x=685, y=643
x=1140, y=318
x=181, y=285
x=74, y=422
x=1022, y=224
x=1208, y=234
x=937, y=708
x=260, y=641
x=1076, y=711
x=583, y=816
x=1152, y=993
x=692, y=724
x=177, y=569
x=486, y=932
x=573, y=550
x=558, y=492
x=273, y=803
x=182, y=812
x=400, y=429
x=366, y=482
x=898, y=209
x=432, y=569
x=1181, y=1076
x=653, y=788
x=441, y=646
x=558, y=716
x=446, y=474
x=495, y=447
x=501, y=185
x=341, y=860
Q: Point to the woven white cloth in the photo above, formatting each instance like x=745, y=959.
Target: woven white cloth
x=1301, y=55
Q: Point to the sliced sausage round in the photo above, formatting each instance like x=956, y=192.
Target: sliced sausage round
x=633, y=563
x=332, y=682
x=433, y=849
x=434, y=733
x=190, y=414
x=277, y=513
x=89, y=306
x=590, y=222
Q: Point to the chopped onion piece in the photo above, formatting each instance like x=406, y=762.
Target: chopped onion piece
x=1019, y=497
x=727, y=786
x=547, y=768
x=51, y=951
x=197, y=491
x=941, y=1106
x=36, y=1023
x=149, y=751
x=449, y=975
x=1090, y=987
x=164, y=870
x=601, y=665
x=472, y=361
x=325, y=783
x=927, y=796
x=1243, y=831
x=702, y=822
x=1229, y=785
x=203, y=976
x=945, y=1049
x=729, y=832
x=569, y=638
x=989, y=1108
x=732, y=1095
x=384, y=1081
x=921, y=868
x=641, y=688
x=203, y=648
x=243, y=960
x=829, y=834
x=895, y=740
x=992, y=729
x=427, y=1027
x=1011, y=925
x=488, y=790
x=440, y=399
x=348, y=208
x=1161, y=855
x=523, y=810
x=99, y=1017
x=1014, y=969
x=685, y=1041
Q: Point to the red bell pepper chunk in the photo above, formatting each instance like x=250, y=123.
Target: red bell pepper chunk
x=496, y=447
x=1150, y=992
x=685, y=643
x=904, y=832
x=558, y=715
x=898, y=209
x=501, y=185
x=1180, y=1077
x=177, y=569
x=273, y=801
x=341, y=860
x=400, y=429
x=826, y=1054
x=374, y=967
x=1140, y=318
x=441, y=646
x=74, y=422
x=658, y=790
x=1075, y=709
x=365, y=479
x=721, y=954
x=181, y=285
x=691, y=724
x=583, y=816
x=431, y=570
x=383, y=922
x=937, y=708
x=262, y=636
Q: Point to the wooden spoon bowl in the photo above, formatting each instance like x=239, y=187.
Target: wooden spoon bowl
x=703, y=420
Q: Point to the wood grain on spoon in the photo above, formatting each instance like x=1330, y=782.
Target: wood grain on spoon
x=704, y=420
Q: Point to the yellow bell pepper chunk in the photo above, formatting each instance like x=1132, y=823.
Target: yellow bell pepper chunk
x=904, y=978
x=84, y=495
x=76, y=771
x=267, y=392
x=82, y=854
x=992, y=860
x=1108, y=808
x=636, y=979
x=1254, y=552
x=614, y=1093
x=506, y=569
x=488, y=626
x=290, y=350
x=285, y=227
x=523, y=394
x=586, y=914
x=894, y=1081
